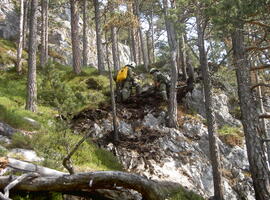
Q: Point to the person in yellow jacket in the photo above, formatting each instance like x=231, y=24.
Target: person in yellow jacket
x=125, y=81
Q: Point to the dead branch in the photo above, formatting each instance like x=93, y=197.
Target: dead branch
x=66, y=161
x=15, y=182
x=255, y=48
x=264, y=115
x=260, y=85
x=266, y=140
x=23, y=166
x=258, y=23
x=90, y=181
x=259, y=67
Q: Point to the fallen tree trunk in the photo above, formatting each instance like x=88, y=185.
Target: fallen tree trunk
x=149, y=189
x=23, y=166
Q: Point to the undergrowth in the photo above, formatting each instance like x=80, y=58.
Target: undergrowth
x=232, y=136
x=61, y=94
x=183, y=194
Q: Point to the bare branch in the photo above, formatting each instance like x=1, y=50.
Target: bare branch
x=264, y=115
x=23, y=166
x=66, y=161
x=255, y=48
x=260, y=67
x=260, y=84
x=258, y=23
x=266, y=140
x=17, y=181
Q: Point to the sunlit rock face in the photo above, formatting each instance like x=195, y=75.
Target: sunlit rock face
x=59, y=32
x=9, y=20
x=195, y=101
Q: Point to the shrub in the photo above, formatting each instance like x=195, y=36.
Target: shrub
x=183, y=194
x=21, y=141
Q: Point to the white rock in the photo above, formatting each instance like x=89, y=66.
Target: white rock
x=25, y=154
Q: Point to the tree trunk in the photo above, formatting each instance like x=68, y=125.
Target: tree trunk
x=149, y=47
x=85, y=41
x=31, y=99
x=76, y=54
x=88, y=182
x=211, y=124
x=115, y=125
x=25, y=22
x=44, y=33
x=115, y=52
x=262, y=110
x=152, y=37
x=133, y=45
x=174, y=72
x=256, y=155
x=20, y=39
x=143, y=47
x=100, y=55
x=182, y=56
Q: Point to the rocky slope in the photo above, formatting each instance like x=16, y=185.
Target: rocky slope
x=179, y=156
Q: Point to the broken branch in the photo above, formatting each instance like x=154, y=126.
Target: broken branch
x=264, y=115
x=23, y=166
x=17, y=181
x=259, y=67
x=260, y=84
x=66, y=161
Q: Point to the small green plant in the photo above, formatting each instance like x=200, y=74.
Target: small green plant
x=183, y=194
x=36, y=196
x=232, y=136
x=20, y=141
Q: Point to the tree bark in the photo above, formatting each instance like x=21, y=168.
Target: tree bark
x=148, y=45
x=76, y=52
x=85, y=41
x=211, y=123
x=152, y=36
x=256, y=155
x=44, y=33
x=262, y=110
x=20, y=39
x=100, y=55
x=133, y=45
x=182, y=56
x=89, y=181
x=174, y=71
x=143, y=47
x=31, y=99
x=115, y=124
x=25, y=22
x=115, y=52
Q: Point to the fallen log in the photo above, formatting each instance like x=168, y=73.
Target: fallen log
x=149, y=189
x=23, y=166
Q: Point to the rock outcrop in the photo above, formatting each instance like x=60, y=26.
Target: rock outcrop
x=59, y=34
x=195, y=101
x=180, y=156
